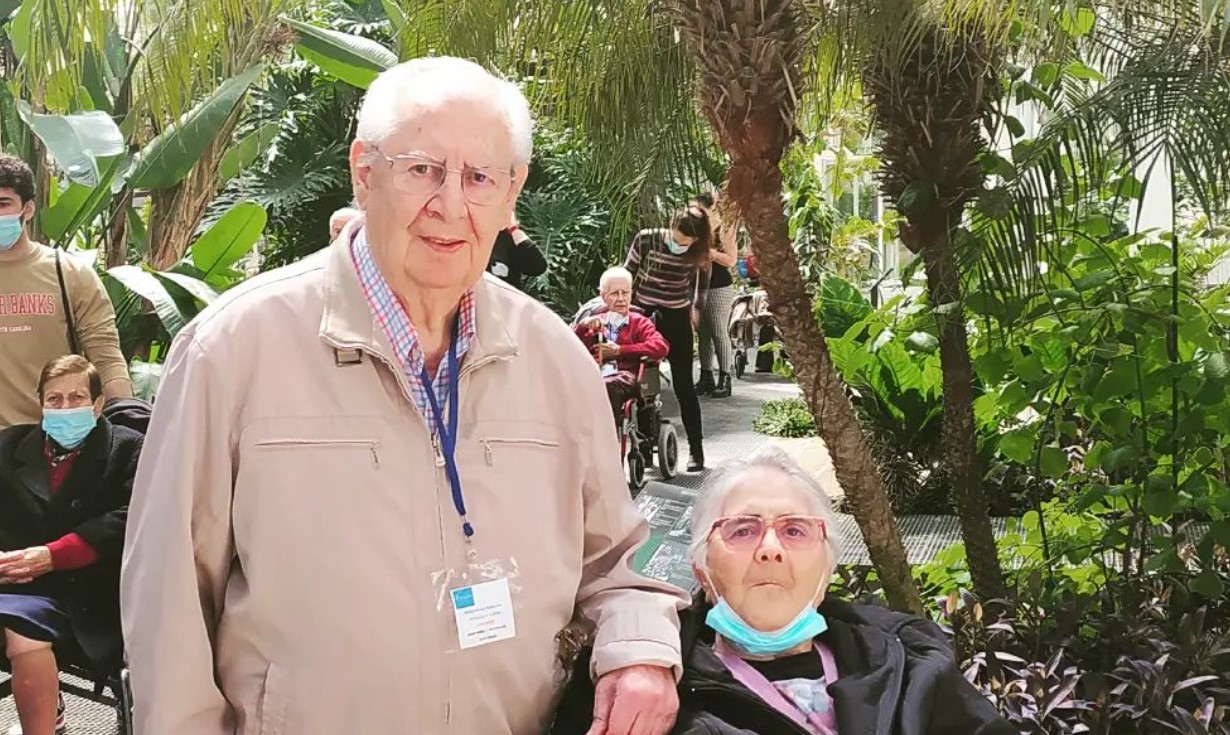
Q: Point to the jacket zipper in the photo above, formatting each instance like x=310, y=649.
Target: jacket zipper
x=897, y=657
x=752, y=699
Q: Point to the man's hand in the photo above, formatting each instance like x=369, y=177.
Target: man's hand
x=26, y=565
x=593, y=323
x=638, y=700
x=608, y=351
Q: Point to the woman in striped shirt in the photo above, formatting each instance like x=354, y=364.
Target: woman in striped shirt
x=667, y=282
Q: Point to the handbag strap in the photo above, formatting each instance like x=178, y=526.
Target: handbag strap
x=763, y=688
x=74, y=345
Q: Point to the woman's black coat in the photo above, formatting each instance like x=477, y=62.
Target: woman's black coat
x=93, y=503
x=896, y=672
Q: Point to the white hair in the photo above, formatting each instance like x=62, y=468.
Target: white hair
x=730, y=474
x=346, y=212
x=426, y=83
x=611, y=274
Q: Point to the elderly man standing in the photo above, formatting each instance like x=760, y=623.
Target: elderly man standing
x=379, y=484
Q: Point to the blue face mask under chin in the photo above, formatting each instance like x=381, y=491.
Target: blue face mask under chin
x=808, y=624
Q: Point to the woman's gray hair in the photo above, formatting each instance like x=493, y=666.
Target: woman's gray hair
x=728, y=475
x=610, y=274
x=426, y=82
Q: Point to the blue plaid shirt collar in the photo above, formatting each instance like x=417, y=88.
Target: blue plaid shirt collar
x=395, y=323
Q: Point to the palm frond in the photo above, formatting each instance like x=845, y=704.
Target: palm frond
x=1169, y=97
x=612, y=70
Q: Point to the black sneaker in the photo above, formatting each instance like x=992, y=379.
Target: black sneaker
x=705, y=385
x=722, y=390
x=696, y=462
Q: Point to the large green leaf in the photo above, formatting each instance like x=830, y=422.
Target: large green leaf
x=76, y=141
x=197, y=288
x=242, y=154
x=145, y=378
x=147, y=286
x=230, y=238
x=169, y=157
x=841, y=305
x=397, y=16
x=19, y=29
x=353, y=59
x=80, y=205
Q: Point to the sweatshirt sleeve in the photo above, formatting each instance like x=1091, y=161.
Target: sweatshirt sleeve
x=94, y=318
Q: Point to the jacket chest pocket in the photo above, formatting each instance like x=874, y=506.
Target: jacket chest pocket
x=312, y=480
x=325, y=446
x=507, y=451
x=519, y=471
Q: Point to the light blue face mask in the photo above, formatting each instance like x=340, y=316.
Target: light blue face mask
x=69, y=426
x=10, y=230
x=808, y=624
x=675, y=247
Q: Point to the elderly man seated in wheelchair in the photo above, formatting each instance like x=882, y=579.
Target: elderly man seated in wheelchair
x=620, y=337
x=64, y=491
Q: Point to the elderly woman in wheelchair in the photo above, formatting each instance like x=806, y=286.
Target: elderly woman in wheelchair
x=620, y=338
x=64, y=491
x=628, y=346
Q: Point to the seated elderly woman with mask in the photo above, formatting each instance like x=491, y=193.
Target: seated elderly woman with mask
x=766, y=652
x=64, y=490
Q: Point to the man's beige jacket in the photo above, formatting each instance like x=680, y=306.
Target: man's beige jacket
x=292, y=538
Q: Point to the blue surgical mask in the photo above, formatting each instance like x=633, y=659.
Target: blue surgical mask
x=10, y=230
x=69, y=426
x=808, y=624
x=675, y=247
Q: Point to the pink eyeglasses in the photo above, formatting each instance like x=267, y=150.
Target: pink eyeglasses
x=793, y=531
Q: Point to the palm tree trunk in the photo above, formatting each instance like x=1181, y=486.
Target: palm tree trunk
x=959, y=436
x=931, y=96
x=756, y=186
x=749, y=53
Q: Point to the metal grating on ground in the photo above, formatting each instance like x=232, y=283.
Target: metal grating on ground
x=84, y=717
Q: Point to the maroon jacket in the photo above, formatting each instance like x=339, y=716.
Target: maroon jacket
x=638, y=338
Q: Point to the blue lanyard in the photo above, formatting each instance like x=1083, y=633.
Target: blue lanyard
x=448, y=435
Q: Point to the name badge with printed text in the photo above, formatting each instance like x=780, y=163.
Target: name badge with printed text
x=484, y=613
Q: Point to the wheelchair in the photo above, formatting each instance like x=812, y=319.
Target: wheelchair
x=644, y=432
x=108, y=688
x=646, y=437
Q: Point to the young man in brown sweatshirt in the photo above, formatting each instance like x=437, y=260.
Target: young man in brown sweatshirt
x=33, y=326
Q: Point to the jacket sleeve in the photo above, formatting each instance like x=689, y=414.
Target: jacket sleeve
x=94, y=318
x=105, y=533
x=636, y=619
x=956, y=707
x=530, y=260
x=179, y=550
x=648, y=342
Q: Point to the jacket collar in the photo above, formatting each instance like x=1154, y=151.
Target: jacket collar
x=870, y=661
x=347, y=322
x=30, y=462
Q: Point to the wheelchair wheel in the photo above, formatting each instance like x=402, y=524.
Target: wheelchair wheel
x=740, y=364
x=636, y=472
x=668, y=450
